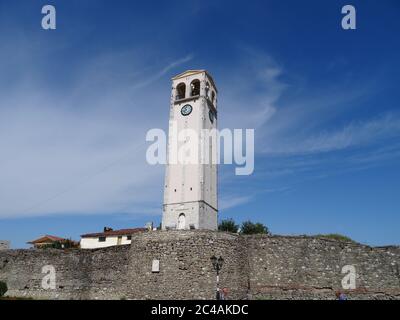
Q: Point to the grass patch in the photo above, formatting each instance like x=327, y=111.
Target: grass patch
x=335, y=236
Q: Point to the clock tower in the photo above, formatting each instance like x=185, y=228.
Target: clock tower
x=190, y=188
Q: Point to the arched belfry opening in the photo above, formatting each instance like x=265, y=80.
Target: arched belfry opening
x=195, y=88
x=181, y=91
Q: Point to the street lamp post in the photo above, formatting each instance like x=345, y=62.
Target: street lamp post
x=217, y=265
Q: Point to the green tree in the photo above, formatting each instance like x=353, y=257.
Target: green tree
x=3, y=288
x=228, y=225
x=249, y=227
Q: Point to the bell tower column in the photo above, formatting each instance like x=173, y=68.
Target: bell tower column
x=190, y=188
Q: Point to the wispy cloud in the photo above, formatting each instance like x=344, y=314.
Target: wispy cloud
x=354, y=134
x=80, y=153
x=250, y=94
x=291, y=118
x=303, y=132
x=78, y=150
x=231, y=201
x=163, y=72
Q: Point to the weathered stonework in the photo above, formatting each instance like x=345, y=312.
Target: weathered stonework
x=258, y=267
x=80, y=274
x=185, y=267
x=310, y=268
x=4, y=245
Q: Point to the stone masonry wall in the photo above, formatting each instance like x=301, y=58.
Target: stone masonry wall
x=186, y=271
x=259, y=267
x=80, y=274
x=309, y=268
x=4, y=245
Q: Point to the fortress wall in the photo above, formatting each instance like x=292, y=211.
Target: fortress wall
x=261, y=267
x=4, y=245
x=306, y=267
x=80, y=274
x=185, y=267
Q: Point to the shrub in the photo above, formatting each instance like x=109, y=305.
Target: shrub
x=249, y=227
x=3, y=288
x=228, y=225
x=67, y=244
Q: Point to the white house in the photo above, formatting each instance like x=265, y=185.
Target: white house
x=108, y=238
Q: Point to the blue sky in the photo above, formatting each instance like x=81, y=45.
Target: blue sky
x=76, y=104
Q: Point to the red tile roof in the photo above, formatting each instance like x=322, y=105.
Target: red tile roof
x=47, y=238
x=122, y=232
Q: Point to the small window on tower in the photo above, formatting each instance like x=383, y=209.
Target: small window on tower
x=195, y=88
x=180, y=91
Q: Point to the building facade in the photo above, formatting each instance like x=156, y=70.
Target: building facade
x=52, y=241
x=190, y=190
x=108, y=238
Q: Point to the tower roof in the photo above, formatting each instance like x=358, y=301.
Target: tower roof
x=188, y=73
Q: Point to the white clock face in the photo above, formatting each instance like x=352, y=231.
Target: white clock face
x=186, y=110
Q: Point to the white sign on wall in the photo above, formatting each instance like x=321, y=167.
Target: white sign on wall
x=155, y=266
